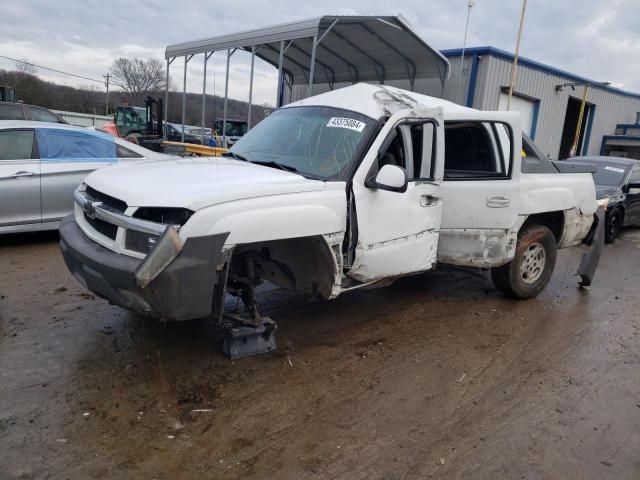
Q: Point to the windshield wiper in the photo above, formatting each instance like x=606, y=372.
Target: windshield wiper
x=271, y=163
x=235, y=155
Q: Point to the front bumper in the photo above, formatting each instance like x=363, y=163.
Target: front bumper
x=182, y=290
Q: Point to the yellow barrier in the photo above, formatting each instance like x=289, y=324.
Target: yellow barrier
x=202, y=150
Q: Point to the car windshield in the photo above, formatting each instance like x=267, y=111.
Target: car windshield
x=607, y=175
x=319, y=142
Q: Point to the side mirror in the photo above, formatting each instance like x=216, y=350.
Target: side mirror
x=634, y=186
x=391, y=178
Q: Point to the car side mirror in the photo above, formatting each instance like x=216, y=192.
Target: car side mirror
x=634, y=186
x=390, y=177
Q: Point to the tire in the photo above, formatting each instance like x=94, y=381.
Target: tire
x=613, y=224
x=532, y=266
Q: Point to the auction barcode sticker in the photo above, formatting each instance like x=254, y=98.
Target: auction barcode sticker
x=614, y=169
x=350, y=123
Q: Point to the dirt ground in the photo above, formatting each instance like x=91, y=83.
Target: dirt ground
x=435, y=376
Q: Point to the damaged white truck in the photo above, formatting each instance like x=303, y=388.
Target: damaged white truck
x=347, y=189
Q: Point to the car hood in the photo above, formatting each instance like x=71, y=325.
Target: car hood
x=606, y=191
x=195, y=183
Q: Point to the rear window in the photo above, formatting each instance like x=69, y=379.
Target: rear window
x=43, y=115
x=71, y=145
x=11, y=111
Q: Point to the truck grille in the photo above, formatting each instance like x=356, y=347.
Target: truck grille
x=106, y=229
x=140, y=242
x=108, y=201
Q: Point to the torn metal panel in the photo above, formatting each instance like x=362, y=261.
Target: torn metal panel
x=576, y=227
x=477, y=247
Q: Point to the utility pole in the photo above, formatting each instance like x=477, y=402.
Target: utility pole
x=106, y=107
x=470, y=4
x=515, y=58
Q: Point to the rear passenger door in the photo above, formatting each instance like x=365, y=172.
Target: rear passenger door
x=480, y=192
x=19, y=178
x=67, y=156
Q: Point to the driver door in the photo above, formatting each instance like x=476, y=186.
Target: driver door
x=397, y=231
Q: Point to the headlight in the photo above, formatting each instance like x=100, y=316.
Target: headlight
x=604, y=202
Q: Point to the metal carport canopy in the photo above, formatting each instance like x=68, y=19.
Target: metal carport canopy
x=345, y=49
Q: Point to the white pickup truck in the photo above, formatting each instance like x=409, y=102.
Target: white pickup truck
x=347, y=189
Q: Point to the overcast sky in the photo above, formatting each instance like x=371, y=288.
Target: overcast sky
x=599, y=39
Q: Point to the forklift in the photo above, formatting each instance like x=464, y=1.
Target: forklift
x=7, y=94
x=144, y=127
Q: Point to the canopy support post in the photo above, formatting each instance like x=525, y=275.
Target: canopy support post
x=204, y=94
x=312, y=66
x=253, y=57
x=166, y=98
x=280, y=57
x=184, y=92
x=226, y=97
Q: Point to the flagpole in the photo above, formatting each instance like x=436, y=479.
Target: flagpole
x=515, y=58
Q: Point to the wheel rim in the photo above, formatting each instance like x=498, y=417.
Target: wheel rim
x=533, y=262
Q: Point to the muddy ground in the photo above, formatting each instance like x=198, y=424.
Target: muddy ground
x=435, y=376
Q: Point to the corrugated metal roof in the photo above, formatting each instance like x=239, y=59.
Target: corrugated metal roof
x=352, y=49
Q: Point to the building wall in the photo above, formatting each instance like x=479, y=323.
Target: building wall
x=610, y=108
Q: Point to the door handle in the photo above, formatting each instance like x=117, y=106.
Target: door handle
x=428, y=200
x=22, y=174
x=498, y=201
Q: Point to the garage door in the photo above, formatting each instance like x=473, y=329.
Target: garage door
x=524, y=106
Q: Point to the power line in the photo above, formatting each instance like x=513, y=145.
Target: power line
x=59, y=71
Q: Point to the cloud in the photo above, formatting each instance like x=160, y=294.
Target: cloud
x=599, y=40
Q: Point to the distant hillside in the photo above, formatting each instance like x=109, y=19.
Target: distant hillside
x=33, y=90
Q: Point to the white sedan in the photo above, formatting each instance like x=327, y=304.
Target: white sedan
x=41, y=164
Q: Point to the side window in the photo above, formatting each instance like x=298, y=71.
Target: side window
x=16, y=144
x=412, y=149
x=11, y=111
x=124, y=152
x=476, y=150
x=72, y=145
x=42, y=115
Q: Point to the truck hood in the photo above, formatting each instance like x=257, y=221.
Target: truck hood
x=195, y=183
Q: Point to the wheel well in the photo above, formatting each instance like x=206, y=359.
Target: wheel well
x=554, y=221
x=302, y=264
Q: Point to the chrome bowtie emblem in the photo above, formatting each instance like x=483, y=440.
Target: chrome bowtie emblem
x=90, y=208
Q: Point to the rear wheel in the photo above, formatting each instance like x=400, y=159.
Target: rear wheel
x=613, y=224
x=532, y=266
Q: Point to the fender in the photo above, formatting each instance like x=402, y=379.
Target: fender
x=549, y=192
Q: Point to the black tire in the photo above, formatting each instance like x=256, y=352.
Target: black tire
x=532, y=266
x=613, y=224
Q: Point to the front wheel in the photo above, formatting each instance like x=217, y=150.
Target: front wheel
x=531, y=268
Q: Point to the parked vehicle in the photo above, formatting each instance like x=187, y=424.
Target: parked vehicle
x=234, y=131
x=41, y=164
x=348, y=189
x=618, y=191
x=22, y=111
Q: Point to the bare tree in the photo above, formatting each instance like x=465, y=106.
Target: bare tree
x=87, y=98
x=138, y=78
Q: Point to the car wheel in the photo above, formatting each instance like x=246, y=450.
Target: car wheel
x=613, y=224
x=532, y=265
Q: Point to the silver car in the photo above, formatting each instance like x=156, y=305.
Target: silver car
x=41, y=164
